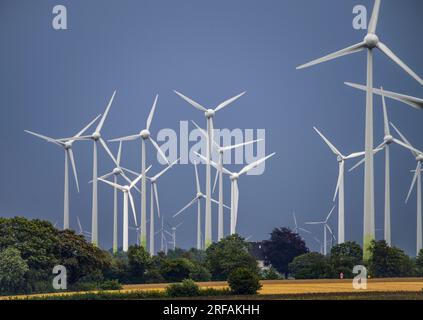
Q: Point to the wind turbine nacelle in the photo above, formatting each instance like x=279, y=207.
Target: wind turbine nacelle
x=117, y=171
x=371, y=40
x=339, y=159
x=67, y=145
x=96, y=136
x=389, y=139
x=153, y=180
x=126, y=189
x=210, y=113
x=235, y=176
x=145, y=134
x=420, y=158
x=200, y=195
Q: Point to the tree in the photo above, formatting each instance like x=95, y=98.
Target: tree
x=311, y=265
x=343, y=258
x=244, y=281
x=138, y=262
x=388, y=262
x=176, y=270
x=227, y=255
x=283, y=246
x=12, y=270
x=270, y=274
x=419, y=263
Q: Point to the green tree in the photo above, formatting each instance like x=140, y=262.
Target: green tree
x=176, y=270
x=282, y=247
x=311, y=265
x=244, y=281
x=388, y=262
x=227, y=255
x=270, y=274
x=343, y=258
x=419, y=263
x=12, y=270
x=138, y=262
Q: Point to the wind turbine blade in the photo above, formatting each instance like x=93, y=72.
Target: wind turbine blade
x=331, y=232
x=156, y=194
x=330, y=213
x=236, y=201
x=151, y=115
x=239, y=145
x=375, y=151
x=304, y=230
x=87, y=127
x=133, y=183
x=186, y=207
x=214, y=164
x=255, y=164
x=385, y=115
x=103, y=177
x=178, y=225
x=412, y=149
x=204, y=133
x=295, y=220
x=229, y=101
x=79, y=224
x=399, y=62
x=48, y=139
x=104, y=144
x=103, y=118
x=130, y=171
x=166, y=169
x=313, y=223
x=197, y=180
x=127, y=138
x=330, y=145
x=341, y=164
x=352, y=49
x=355, y=155
x=119, y=154
x=124, y=176
x=413, y=183
x=215, y=181
x=415, y=154
x=131, y=200
x=375, y=17
x=72, y=160
x=114, y=185
x=416, y=103
x=156, y=146
x=191, y=102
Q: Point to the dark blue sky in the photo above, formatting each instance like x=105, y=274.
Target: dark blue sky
x=53, y=82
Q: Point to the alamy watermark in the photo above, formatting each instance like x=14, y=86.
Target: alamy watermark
x=360, y=280
x=60, y=281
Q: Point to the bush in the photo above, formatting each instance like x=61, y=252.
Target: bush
x=199, y=273
x=12, y=270
x=110, y=285
x=187, y=288
x=270, y=274
x=311, y=265
x=176, y=270
x=244, y=281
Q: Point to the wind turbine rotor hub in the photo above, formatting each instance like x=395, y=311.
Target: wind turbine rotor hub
x=145, y=134
x=153, y=180
x=389, y=139
x=371, y=40
x=210, y=113
x=126, y=189
x=68, y=145
x=234, y=176
x=96, y=136
x=419, y=158
x=117, y=171
x=200, y=195
x=339, y=159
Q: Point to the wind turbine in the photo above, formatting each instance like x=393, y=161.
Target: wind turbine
x=219, y=176
x=198, y=197
x=69, y=157
x=234, y=176
x=370, y=42
x=325, y=225
x=339, y=191
x=209, y=113
x=143, y=136
x=154, y=194
x=126, y=195
x=163, y=240
x=416, y=180
x=81, y=231
x=173, y=234
x=297, y=229
x=385, y=145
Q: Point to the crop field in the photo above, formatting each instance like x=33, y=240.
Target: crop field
x=410, y=288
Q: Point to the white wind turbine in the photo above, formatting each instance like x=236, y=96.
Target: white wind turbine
x=370, y=42
x=198, y=197
x=416, y=180
x=126, y=196
x=117, y=171
x=173, y=234
x=340, y=185
x=96, y=137
x=219, y=176
x=385, y=145
x=154, y=194
x=234, y=176
x=325, y=225
x=81, y=231
x=143, y=136
x=209, y=113
x=297, y=229
x=163, y=240
x=66, y=144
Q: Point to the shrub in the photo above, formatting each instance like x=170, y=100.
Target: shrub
x=187, y=288
x=110, y=285
x=12, y=270
x=243, y=281
x=176, y=270
x=311, y=265
x=270, y=274
x=199, y=273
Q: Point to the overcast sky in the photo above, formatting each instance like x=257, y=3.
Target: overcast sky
x=54, y=82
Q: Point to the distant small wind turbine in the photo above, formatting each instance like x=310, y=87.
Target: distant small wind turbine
x=81, y=231
x=325, y=225
x=297, y=229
